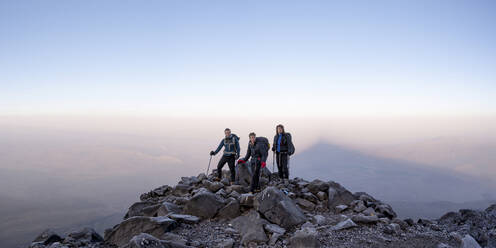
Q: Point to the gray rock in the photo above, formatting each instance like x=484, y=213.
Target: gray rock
x=321, y=195
x=340, y=208
x=167, y=208
x=185, y=218
x=230, y=211
x=226, y=243
x=144, y=240
x=318, y=219
x=310, y=197
x=400, y=222
x=392, y=228
x=278, y=208
x=345, y=224
x=86, y=234
x=369, y=211
x=304, y=238
x=244, y=174
x=305, y=204
x=204, y=205
x=246, y=199
x=365, y=219
x=360, y=206
x=338, y=195
x=385, y=210
x=181, y=189
x=126, y=230
x=317, y=185
x=469, y=242
x=137, y=208
x=215, y=186
x=47, y=237
x=251, y=227
x=273, y=228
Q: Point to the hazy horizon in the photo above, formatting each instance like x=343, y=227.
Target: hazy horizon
x=103, y=100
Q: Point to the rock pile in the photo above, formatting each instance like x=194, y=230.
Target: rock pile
x=201, y=212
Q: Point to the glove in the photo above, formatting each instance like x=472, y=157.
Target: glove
x=273, y=148
x=212, y=153
x=263, y=164
x=241, y=161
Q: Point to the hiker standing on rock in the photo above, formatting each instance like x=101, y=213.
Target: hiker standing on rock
x=283, y=148
x=231, y=153
x=257, y=150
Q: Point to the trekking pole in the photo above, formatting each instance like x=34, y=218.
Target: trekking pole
x=208, y=168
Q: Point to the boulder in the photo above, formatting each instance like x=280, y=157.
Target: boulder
x=305, y=204
x=47, y=237
x=304, y=238
x=215, y=186
x=226, y=243
x=392, y=228
x=317, y=185
x=246, y=199
x=181, y=189
x=345, y=224
x=126, y=230
x=243, y=174
x=273, y=228
x=310, y=197
x=369, y=211
x=137, y=208
x=86, y=235
x=365, y=219
x=251, y=227
x=168, y=208
x=385, y=210
x=340, y=208
x=278, y=208
x=144, y=240
x=338, y=195
x=359, y=206
x=185, y=218
x=204, y=205
x=318, y=219
x=321, y=195
x=230, y=211
x=469, y=242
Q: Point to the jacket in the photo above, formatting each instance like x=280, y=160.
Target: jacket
x=255, y=151
x=286, y=144
x=230, y=144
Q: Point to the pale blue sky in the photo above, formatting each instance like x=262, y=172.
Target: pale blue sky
x=195, y=58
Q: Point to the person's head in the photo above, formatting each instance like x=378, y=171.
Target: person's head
x=252, y=137
x=279, y=129
x=227, y=132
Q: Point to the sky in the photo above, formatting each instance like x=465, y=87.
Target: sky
x=248, y=59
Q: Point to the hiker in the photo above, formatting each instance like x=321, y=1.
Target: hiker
x=231, y=153
x=257, y=153
x=283, y=148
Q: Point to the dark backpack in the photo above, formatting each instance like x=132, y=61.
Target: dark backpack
x=264, y=145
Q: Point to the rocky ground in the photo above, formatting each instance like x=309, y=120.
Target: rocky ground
x=201, y=212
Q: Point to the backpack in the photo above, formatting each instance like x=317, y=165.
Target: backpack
x=264, y=145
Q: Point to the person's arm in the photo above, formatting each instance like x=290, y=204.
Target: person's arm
x=264, y=155
x=291, y=148
x=248, y=154
x=219, y=147
x=238, y=149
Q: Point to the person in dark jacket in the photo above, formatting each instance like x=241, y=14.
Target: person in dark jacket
x=231, y=153
x=283, y=147
x=258, y=157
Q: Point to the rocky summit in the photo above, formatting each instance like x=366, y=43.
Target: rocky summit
x=201, y=212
